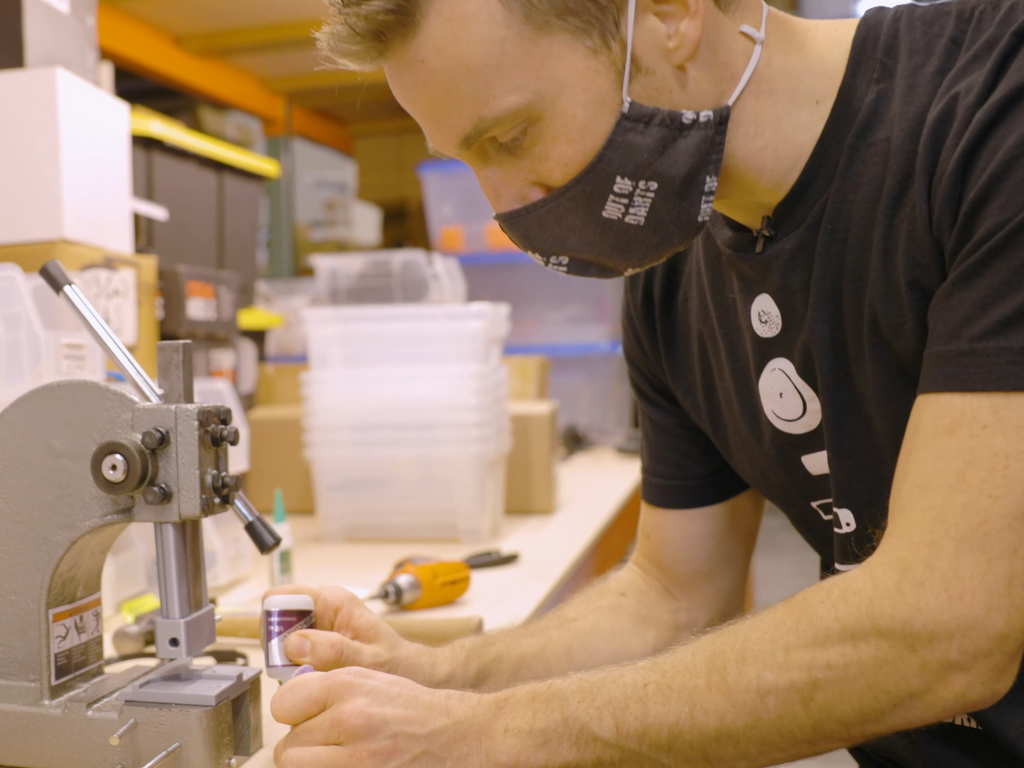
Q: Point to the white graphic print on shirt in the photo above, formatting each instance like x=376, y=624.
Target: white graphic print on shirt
x=792, y=406
x=765, y=316
x=788, y=402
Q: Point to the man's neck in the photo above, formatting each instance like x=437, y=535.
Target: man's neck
x=779, y=118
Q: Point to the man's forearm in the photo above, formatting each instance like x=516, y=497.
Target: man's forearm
x=832, y=667
x=623, y=617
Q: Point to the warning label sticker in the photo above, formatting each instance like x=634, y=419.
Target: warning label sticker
x=76, y=638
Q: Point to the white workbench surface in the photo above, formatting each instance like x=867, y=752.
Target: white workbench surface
x=593, y=488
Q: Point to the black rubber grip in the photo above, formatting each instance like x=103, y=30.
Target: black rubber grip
x=55, y=276
x=263, y=536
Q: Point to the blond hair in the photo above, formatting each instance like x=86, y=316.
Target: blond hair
x=359, y=34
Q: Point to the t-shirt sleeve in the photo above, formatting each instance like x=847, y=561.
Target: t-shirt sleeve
x=976, y=319
x=682, y=468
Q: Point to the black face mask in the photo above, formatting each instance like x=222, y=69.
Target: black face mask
x=645, y=197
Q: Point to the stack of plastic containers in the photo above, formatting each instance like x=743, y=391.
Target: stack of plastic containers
x=573, y=321
x=406, y=419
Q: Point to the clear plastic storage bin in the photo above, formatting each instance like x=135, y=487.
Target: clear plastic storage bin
x=69, y=352
x=41, y=340
x=404, y=334
x=594, y=396
x=406, y=425
x=459, y=217
x=21, y=337
x=405, y=275
x=549, y=308
x=400, y=492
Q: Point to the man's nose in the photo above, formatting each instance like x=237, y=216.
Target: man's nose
x=506, y=194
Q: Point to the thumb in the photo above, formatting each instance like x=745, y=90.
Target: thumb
x=323, y=650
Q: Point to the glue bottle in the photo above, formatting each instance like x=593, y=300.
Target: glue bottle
x=281, y=558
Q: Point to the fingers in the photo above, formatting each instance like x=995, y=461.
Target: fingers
x=301, y=699
x=323, y=650
x=312, y=757
x=340, y=610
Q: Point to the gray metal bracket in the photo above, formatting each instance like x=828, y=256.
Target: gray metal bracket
x=182, y=684
x=186, y=637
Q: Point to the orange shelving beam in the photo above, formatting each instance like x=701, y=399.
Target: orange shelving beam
x=141, y=48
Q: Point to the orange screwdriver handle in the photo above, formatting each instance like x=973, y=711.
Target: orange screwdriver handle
x=442, y=582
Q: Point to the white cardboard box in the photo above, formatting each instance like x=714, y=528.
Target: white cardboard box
x=65, y=161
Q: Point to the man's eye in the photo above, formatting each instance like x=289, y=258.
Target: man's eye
x=512, y=146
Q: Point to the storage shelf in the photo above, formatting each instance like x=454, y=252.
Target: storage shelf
x=590, y=349
x=496, y=257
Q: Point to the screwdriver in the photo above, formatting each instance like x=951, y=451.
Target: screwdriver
x=414, y=585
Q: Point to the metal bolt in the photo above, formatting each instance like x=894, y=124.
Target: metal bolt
x=155, y=439
x=224, y=483
x=232, y=435
x=219, y=435
x=171, y=750
x=224, y=414
x=119, y=734
x=157, y=495
x=115, y=467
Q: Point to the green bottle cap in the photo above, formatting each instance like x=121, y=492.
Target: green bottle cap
x=279, y=515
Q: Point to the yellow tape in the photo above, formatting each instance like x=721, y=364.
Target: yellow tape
x=139, y=606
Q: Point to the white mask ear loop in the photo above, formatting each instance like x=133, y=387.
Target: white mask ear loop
x=758, y=38
x=630, y=22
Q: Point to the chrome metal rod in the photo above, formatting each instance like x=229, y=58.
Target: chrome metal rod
x=57, y=278
x=196, y=562
x=174, y=749
x=115, y=739
x=110, y=344
x=172, y=568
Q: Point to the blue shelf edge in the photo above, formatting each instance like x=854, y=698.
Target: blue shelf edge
x=489, y=258
x=590, y=349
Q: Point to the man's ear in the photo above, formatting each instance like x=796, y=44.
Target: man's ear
x=682, y=24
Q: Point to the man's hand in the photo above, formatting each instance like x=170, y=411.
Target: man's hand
x=349, y=634
x=357, y=717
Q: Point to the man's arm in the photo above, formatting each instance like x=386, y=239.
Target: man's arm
x=688, y=572
x=930, y=627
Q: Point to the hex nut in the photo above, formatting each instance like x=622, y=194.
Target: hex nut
x=155, y=439
x=157, y=495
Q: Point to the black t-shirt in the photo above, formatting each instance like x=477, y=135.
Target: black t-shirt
x=896, y=268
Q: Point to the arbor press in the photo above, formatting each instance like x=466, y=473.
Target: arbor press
x=79, y=461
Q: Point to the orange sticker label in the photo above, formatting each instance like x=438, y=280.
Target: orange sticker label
x=200, y=289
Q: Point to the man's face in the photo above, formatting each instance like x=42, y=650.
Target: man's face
x=526, y=111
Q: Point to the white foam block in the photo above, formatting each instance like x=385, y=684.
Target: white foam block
x=65, y=161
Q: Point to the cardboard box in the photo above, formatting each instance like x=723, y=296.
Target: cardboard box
x=531, y=483
x=528, y=377
x=65, y=162
x=277, y=460
x=112, y=303
x=280, y=384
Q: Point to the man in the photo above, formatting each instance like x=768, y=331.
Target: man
x=843, y=334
